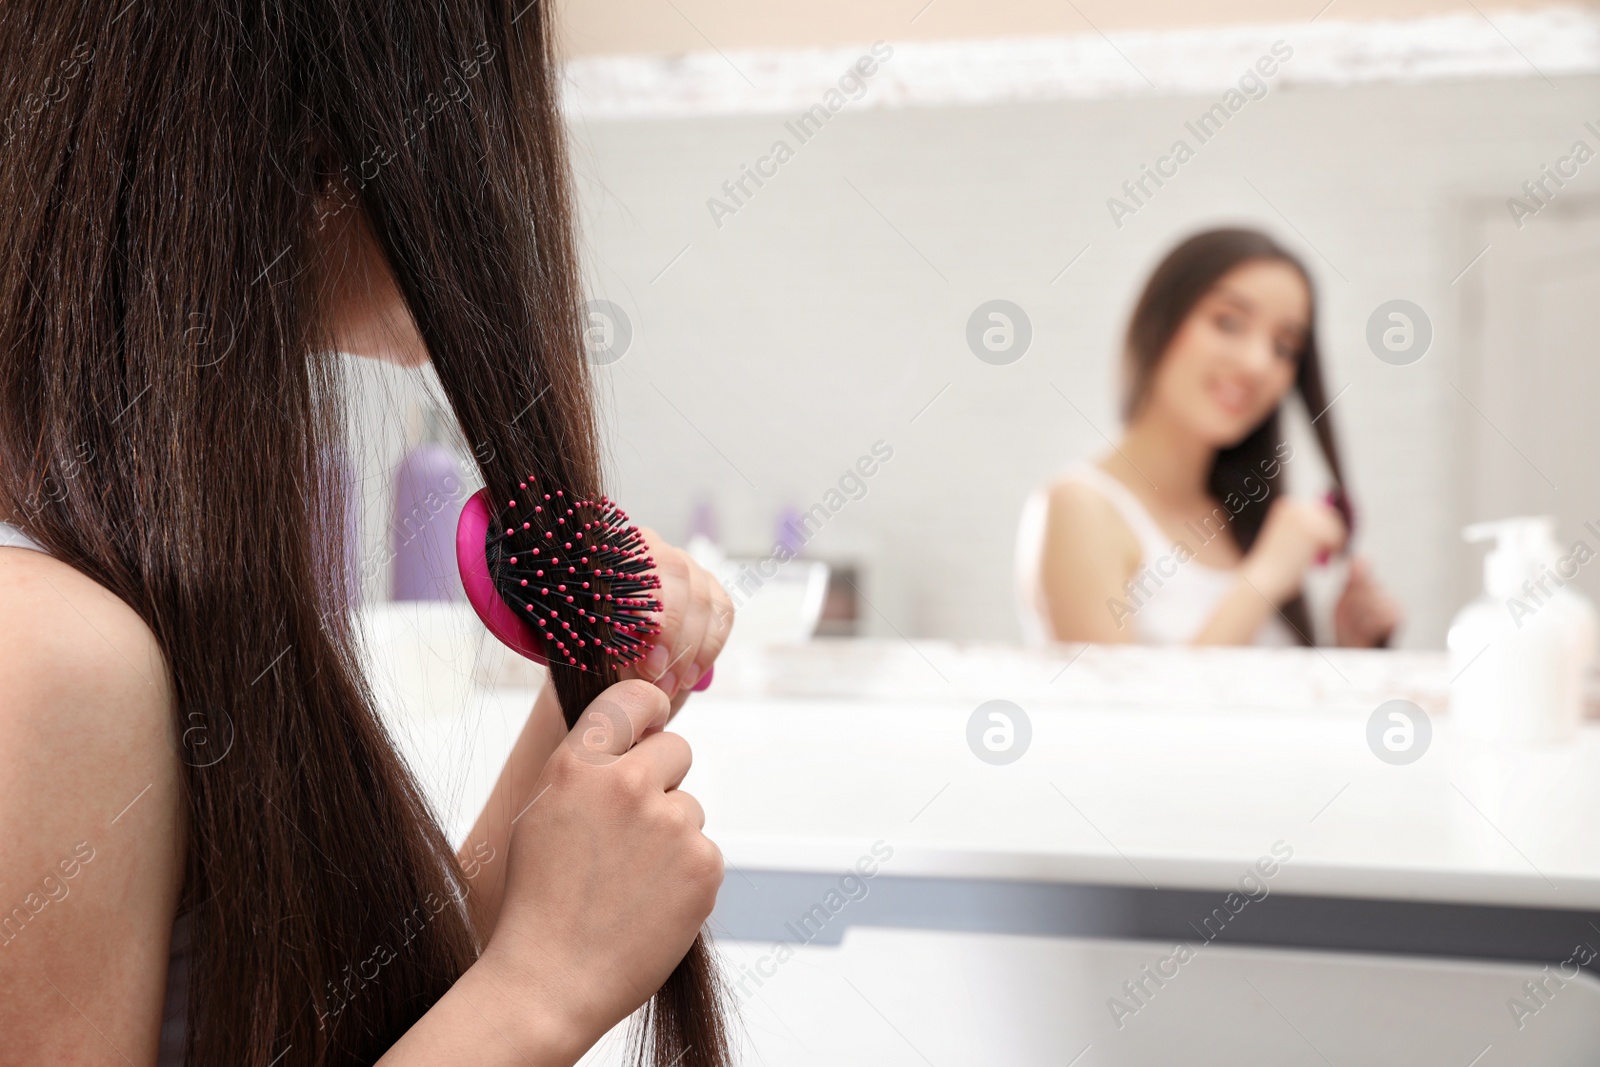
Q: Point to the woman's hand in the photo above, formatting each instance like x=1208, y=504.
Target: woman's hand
x=608, y=877
x=1295, y=533
x=695, y=619
x=1366, y=615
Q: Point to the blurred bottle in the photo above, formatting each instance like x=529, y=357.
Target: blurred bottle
x=703, y=521
x=1520, y=652
x=428, y=495
x=791, y=536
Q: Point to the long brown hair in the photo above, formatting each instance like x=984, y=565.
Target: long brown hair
x=1187, y=273
x=170, y=405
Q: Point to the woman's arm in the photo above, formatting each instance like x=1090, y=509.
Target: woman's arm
x=696, y=619
x=485, y=1019
x=91, y=858
x=1090, y=558
x=1089, y=555
x=608, y=880
x=91, y=863
x=1366, y=615
x=1294, y=534
x=483, y=853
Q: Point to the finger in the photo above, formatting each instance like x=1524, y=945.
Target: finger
x=1325, y=520
x=1338, y=532
x=719, y=625
x=680, y=699
x=618, y=718
x=1374, y=630
x=1337, y=537
x=1396, y=612
x=691, y=635
x=1390, y=628
x=665, y=756
x=690, y=807
x=672, y=568
x=1378, y=612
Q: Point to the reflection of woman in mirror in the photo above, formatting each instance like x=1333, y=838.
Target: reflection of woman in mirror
x=1184, y=532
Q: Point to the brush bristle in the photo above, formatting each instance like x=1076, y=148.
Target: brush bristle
x=578, y=571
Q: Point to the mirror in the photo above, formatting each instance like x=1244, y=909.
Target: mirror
x=876, y=292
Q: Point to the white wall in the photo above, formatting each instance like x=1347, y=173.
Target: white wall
x=610, y=27
x=770, y=353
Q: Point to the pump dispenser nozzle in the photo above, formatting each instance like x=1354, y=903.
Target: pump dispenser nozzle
x=1523, y=547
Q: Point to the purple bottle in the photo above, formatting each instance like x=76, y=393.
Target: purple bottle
x=791, y=535
x=703, y=521
x=428, y=496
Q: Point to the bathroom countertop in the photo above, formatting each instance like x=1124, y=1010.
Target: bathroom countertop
x=1174, y=769
x=1148, y=797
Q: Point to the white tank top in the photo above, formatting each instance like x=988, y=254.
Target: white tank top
x=1173, y=600
x=11, y=537
x=175, y=1008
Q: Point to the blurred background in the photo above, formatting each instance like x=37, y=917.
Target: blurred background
x=757, y=336
x=795, y=220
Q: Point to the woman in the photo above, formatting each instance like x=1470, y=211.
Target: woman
x=212, y=853
x=1183, y=533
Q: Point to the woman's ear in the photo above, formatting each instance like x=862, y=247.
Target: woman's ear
x=367, y=316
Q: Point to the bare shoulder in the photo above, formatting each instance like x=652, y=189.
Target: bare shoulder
x=1080, y=516
x=91, y=795
x=1074, y=498
x=63, y=634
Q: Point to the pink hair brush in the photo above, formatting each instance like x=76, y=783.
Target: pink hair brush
x=551, y=577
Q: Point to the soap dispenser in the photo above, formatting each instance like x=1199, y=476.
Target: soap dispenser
x=1520, y=652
